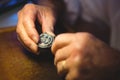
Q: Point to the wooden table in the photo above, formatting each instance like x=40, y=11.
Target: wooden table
x=18, y=64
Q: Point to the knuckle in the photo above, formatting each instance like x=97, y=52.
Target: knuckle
x=58, y=38
x=27, y=43
x=18, y=13
x=84, y=38
x=17, y=30
x=84, y=35
x=31, y=35
x=29, y=6
x=87, y=35
x=25, y=21
x=76, y=47
x=57, y=57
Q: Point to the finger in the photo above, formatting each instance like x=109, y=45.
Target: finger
x=20, y=40
x=47, y=19
x=62, y=68
x=25, y=38
x=61, y=40
x=72, y=64
x=62, y=54
x=66, y=71
x=29, y=18
x=73, y=74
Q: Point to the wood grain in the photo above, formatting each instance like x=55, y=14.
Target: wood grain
x=18, y=64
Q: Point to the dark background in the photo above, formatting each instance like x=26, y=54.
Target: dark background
x=6, y=5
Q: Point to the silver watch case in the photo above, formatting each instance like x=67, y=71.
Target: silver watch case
x=46, y=40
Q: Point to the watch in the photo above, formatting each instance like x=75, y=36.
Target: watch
x=45, y=40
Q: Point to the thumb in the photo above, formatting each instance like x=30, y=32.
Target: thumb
x=48, y=25
x=47, y=20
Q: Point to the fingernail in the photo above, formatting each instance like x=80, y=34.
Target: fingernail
x=38, y=52
x=51, y=33
x=34, y=48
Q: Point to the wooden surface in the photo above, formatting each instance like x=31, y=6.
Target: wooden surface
x=18, y=64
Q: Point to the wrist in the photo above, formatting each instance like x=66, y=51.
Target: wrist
x=55, y=5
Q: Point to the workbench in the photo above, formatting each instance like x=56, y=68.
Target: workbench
x=16, y=63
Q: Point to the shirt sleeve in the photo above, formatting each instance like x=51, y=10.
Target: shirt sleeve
x=107, y=11
x=73, y=9
x=94, y=9
x=87, y=9
x=114, y=18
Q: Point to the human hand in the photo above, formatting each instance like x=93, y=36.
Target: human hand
x=26, y=30
x=81, y=56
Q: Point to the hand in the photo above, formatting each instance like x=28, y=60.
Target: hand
x=26, y=30
x=81, y=56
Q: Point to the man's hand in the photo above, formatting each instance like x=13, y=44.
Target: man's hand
x=26, y=30
x=81, y=56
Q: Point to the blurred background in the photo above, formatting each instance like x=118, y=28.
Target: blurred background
x=8, y=11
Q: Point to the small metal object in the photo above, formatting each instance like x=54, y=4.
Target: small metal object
x=46, y=40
